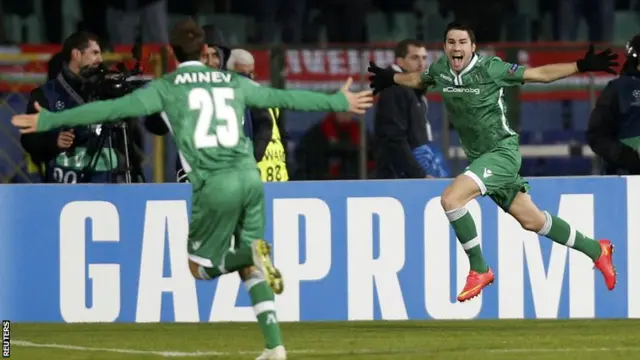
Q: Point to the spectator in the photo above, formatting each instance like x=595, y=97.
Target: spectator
x=402, y=130
x=598, y=14
x=330, y=150
x=265, y=127
x=614, y=125
x=344, y=20
x=242, y=61
x=486, y=17
x=218, y=52
x=124, y=16
x=3, y=34
x=292, y=15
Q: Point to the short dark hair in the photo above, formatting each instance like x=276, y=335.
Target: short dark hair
x=77, y=41
x=457, y=25
x=402, y=48
x=187, y=40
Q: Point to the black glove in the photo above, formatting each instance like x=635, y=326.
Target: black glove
x=381, y=78
x=604, y=61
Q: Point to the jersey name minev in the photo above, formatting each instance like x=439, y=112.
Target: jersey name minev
x=202, y=77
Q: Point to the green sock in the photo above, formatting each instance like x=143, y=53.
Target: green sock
x=561, y=232
x=232, y=261
x=466, y=232
x=262, y=298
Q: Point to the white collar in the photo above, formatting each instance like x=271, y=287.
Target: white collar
x=190, y=63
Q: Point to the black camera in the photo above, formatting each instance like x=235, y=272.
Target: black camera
x=102, y=83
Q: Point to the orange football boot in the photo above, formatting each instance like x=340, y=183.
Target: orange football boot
x=475, y=283
x=605, y=264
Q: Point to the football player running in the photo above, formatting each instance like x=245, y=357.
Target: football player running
x=472, y=89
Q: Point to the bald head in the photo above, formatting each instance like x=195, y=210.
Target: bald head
x=241, y=61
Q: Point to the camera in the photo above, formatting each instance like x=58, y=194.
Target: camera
x=102, y=83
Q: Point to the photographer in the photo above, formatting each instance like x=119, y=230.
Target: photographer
x=614, y=124
x=80, y=154
x=54, y=149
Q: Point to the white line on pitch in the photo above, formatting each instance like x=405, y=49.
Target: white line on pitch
x=22, y=343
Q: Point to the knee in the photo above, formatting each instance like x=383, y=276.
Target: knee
x=245, y=273
x=198, y=271
x=532, y=222
x=450, y=201
x=195, y=270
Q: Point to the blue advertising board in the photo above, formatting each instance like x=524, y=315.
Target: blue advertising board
x=358, y=250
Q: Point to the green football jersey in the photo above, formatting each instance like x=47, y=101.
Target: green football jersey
x=204, y=109
x=474, y=99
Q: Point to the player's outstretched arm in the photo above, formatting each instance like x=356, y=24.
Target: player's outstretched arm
x=412, y=79
x=384, y=78
x=603, y=61
x=139, y=103
x=550, y=73
x=302, y=100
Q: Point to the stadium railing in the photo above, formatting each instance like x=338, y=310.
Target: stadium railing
x=533, y=108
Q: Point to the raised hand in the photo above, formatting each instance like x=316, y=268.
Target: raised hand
x=602, y=61
x=360, y=101
x=381, y=78
x=27, y=123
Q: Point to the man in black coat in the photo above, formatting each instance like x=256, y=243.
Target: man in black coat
x=614, y=124
x=402, y=130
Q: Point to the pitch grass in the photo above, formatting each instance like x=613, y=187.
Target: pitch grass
x=407, y=340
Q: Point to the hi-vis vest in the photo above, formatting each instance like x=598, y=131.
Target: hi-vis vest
x=273, y=166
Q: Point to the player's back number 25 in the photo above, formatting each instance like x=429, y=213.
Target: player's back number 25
x=214, y=106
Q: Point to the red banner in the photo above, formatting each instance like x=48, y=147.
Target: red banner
x=23, y=68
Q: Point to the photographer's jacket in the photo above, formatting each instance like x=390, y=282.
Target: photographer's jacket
x=614, y=125
x=74, y=164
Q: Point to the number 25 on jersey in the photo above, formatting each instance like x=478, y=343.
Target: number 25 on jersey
x=214, y=108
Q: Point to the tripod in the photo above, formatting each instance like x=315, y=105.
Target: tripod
x=106, y=136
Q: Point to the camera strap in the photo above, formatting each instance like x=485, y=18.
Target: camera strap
x=76, y=97
x=70, y=90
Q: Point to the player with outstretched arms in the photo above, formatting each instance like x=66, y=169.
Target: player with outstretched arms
x=204, y=109
x=472, y=87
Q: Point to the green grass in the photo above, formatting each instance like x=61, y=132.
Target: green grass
x=407, y=340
